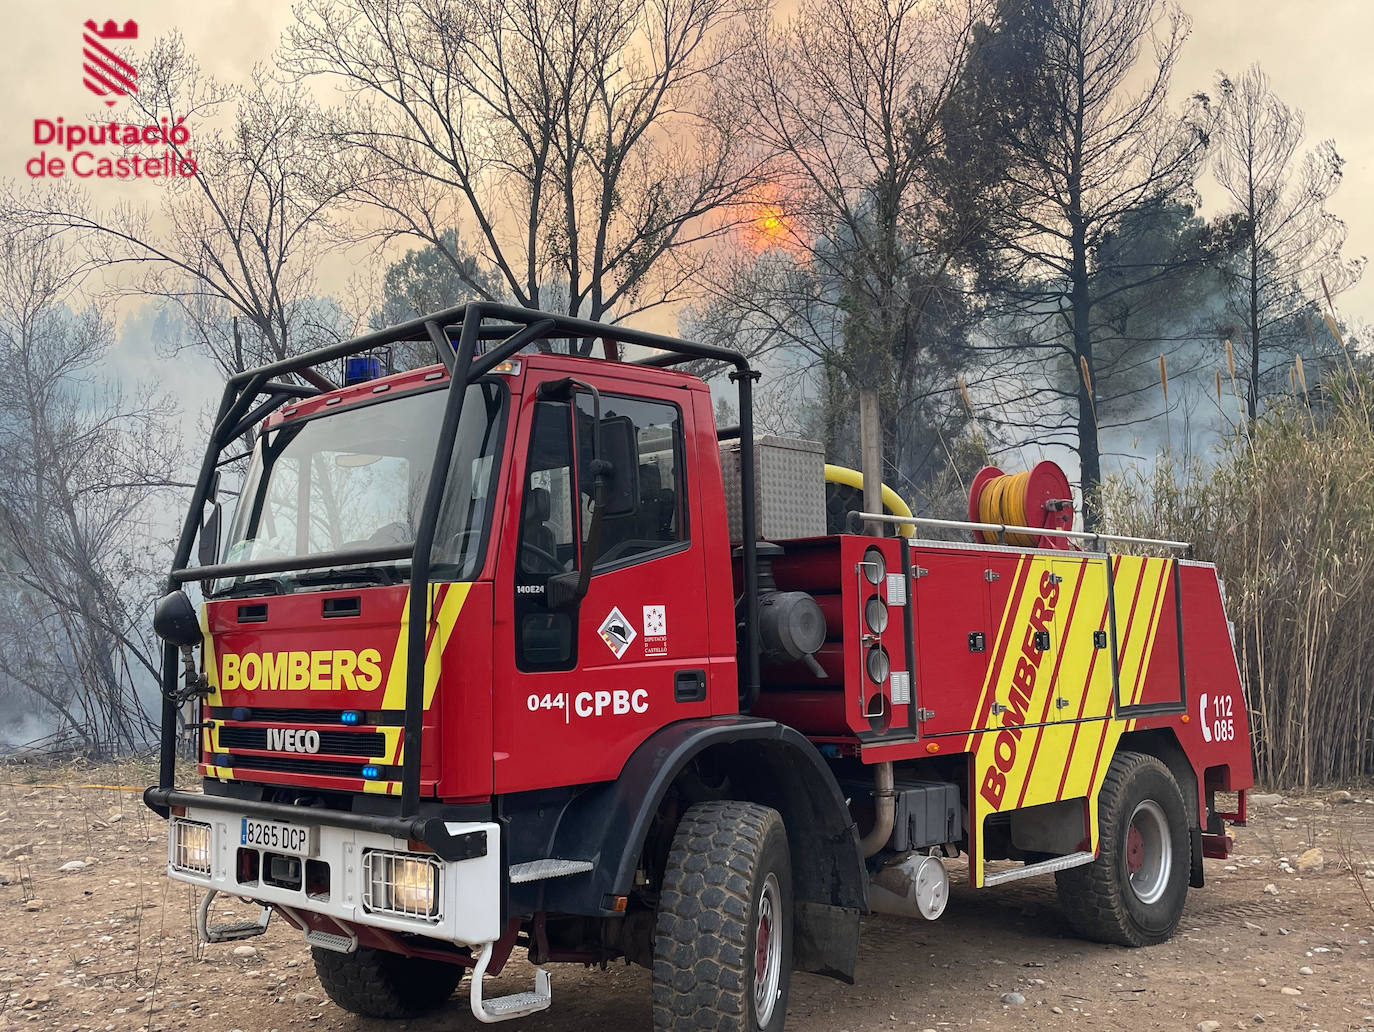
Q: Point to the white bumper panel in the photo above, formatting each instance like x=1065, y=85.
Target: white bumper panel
x=469, y=890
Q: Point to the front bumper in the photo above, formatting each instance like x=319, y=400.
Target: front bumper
x=469, y=890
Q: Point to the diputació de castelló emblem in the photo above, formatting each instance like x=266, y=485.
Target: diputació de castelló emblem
x=106, y=74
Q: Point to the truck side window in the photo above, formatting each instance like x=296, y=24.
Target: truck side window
x=545, y=640
x=657, y=517
x=547, y=515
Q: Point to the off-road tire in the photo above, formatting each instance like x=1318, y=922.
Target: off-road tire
x=1097, y=898
x=379, y=984
x=707, y=931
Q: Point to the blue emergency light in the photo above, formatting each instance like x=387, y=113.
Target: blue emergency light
x=371, y=772
x=361, y=368
x=350, y=716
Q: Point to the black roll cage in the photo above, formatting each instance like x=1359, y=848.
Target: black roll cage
x=455, y=334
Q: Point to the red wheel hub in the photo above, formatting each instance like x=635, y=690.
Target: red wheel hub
x=1135, y=850
x=761, y=948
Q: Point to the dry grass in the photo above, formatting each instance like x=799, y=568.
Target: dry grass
x=1287, y=514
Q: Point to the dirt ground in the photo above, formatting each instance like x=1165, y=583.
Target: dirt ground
x=110, y=945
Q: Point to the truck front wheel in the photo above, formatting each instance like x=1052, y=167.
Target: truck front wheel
x=723, y=942
x=1133, y=893
x=379, y=984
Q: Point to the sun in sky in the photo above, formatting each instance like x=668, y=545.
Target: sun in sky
x=769, y=224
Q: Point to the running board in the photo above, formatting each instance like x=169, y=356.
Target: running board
x=1058, y=863
x=540, y=870
x=516, y=1005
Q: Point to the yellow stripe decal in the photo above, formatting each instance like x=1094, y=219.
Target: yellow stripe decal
x=1034, y=761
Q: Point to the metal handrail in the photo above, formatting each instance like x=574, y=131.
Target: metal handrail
x=1006, y=528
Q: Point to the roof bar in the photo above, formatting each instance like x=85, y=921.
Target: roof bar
x=1004, y=529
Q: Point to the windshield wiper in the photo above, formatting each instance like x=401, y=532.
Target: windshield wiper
x=273, y=585
x=379, y=574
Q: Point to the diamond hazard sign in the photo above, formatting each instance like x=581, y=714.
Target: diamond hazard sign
x=617, y=632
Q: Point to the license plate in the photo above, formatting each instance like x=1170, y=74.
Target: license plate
x=278, y=836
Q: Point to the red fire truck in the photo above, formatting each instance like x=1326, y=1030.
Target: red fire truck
x=660, y=706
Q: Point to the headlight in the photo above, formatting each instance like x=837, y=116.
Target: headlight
x=191, y=846
x=401, y=883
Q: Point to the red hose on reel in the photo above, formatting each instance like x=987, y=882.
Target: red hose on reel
x=1038, y=499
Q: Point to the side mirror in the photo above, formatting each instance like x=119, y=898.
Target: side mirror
x=564, y=590
x=620, y=452
x=207, y=550
x=175, y=621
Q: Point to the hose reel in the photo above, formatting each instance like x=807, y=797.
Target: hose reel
x=1039, y=498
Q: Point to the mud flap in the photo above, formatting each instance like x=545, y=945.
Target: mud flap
x=1195, y=848
x=826, y=940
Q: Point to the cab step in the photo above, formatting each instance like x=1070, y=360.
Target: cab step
x=331, y=941
x=541, y=870
x=227, y=932
x=516, y=1005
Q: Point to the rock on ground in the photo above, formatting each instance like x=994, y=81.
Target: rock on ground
x=1312, y=861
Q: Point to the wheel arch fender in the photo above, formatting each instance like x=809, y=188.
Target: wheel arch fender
x=1163, y=745
x=766, y=763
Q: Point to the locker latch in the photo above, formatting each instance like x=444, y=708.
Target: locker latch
x=1042, y=641
x=1099, y=639
x=977, y=642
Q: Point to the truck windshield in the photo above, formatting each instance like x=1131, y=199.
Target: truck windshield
x=356, y=478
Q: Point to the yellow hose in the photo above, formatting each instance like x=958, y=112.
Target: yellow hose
x=892, y=501
x=1004, y=501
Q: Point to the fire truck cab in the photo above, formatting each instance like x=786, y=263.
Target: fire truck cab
x=657, y=708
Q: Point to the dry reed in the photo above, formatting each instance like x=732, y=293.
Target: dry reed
x=1287, y=514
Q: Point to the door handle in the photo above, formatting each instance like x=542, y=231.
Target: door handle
x=689, y=686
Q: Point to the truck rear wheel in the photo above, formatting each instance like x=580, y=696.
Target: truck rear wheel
x=379, y=984
x=1133, y=893
x=723, y=944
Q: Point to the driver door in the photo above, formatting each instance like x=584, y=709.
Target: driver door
x=594, y=680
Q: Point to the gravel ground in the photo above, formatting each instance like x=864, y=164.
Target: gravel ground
x=93, y=936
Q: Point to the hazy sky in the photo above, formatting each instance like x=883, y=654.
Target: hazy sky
x=1318, y=55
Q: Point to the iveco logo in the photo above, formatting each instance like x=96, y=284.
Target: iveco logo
x=292, y=740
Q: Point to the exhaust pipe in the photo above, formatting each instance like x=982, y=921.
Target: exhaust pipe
x=884, y=810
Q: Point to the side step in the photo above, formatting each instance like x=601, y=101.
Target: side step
x=227, y=932
x=343, y=941
x=516, y=1005
x=1058, y=863
x=540, y=870
x=330, y=941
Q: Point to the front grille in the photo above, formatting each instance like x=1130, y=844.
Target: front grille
x=301, y=715
x=338, y=743
x=303, y=765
